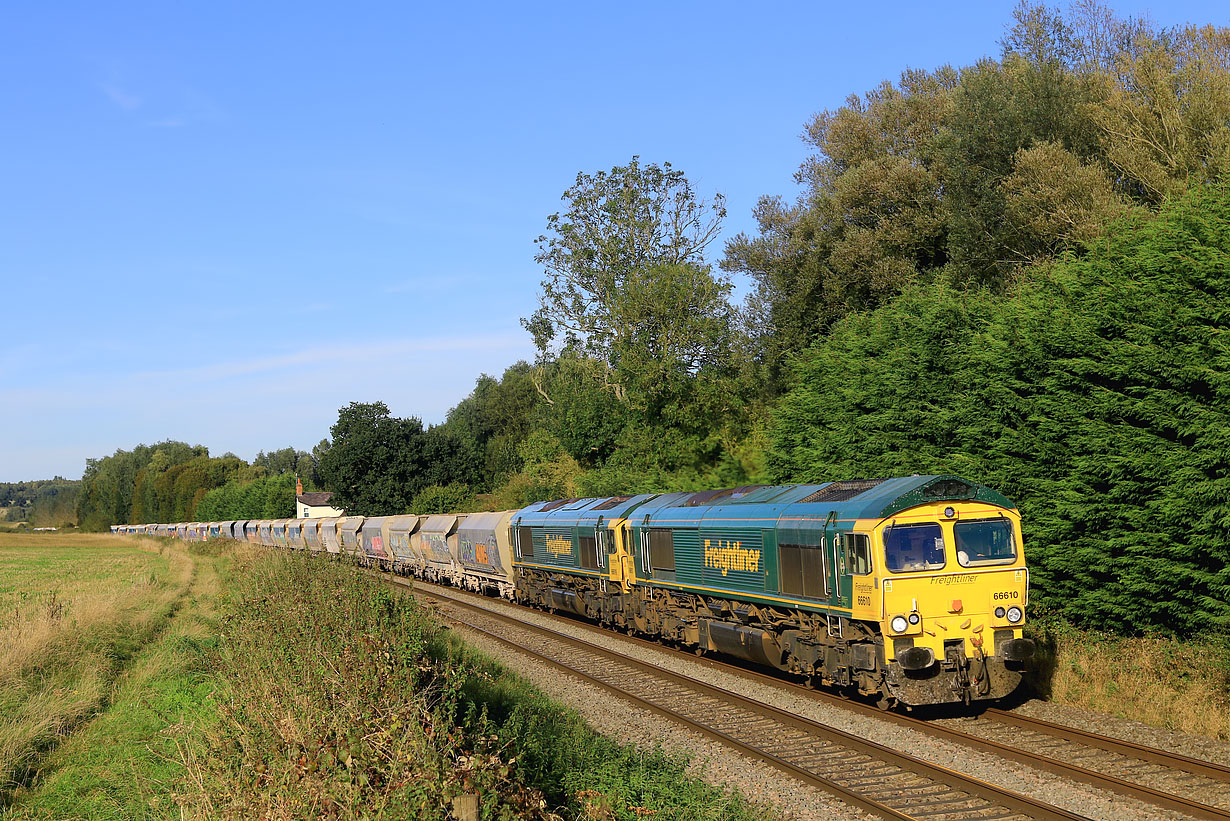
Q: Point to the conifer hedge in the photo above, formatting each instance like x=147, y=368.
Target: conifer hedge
x=1096, y=395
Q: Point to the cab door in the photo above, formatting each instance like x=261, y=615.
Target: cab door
x=624, y=537
x=841, y=588
x=605, y=541
x=620, y=561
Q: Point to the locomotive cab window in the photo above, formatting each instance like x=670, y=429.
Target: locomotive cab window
x=525, y=541
x=984, y=541
x=858, y=549
x=913, y=547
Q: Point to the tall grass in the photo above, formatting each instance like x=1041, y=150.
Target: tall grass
x=127, y=761
x=73, y=611
x=347, y=699
x=1181, y=685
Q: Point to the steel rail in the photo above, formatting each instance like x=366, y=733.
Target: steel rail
x=1131, y=749
x=1061, y=768
x=951, y=778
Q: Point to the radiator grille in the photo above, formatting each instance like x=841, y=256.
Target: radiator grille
x=842, y=491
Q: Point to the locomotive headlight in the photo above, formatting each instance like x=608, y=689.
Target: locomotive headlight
x=913, y=618
x=999, y=612
x=949, y=512
x=1015, y=614
x=899, y=624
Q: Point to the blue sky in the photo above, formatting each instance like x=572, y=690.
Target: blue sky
x=220, y=222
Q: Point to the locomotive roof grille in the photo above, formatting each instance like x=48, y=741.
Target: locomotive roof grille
x=709, y=497
x=557, y=504
x=614, y=501
x=842, y=491
x=947, y=489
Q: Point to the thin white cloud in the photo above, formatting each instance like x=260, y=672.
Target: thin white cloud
x=171, y=107
x=188, y=107
x=121, y=97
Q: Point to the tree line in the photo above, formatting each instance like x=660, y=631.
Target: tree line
x=1012, y=271
x=40, y=503
x=176, y=482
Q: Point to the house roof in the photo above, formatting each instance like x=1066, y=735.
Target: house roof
x=315, y=499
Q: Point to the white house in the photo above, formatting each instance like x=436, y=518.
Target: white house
x=314, y=505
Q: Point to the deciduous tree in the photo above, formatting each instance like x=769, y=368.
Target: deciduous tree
x=617, y=225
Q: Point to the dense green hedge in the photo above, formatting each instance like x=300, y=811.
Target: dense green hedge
x=1095, y=396
x=267, y=497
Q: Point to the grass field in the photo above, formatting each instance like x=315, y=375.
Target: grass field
x=75, y=610
x=132, y=760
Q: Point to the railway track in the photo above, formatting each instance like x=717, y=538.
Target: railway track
x=864, y=774
x=1184, y=784
x=1122, y=766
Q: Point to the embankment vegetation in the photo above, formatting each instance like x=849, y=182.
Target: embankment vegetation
x=344, y=698
x=1178, y=684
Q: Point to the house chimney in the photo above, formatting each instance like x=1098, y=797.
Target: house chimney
x=298, y=486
